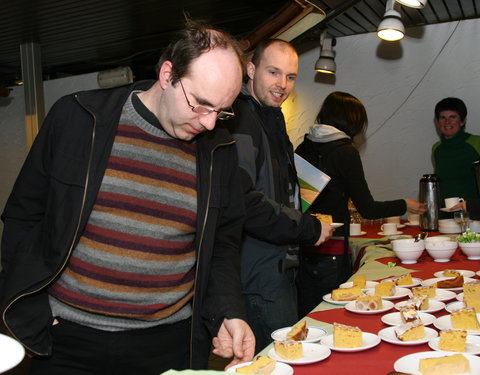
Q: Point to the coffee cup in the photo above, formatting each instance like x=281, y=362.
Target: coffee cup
x=393, y=219
x=414, y=219
x=355, y=229
x=450, y=202
x=389, y=228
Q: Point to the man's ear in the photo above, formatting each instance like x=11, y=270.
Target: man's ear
x=250, y=70
x=165, y=74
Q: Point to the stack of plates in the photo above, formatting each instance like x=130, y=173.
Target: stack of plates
x=448, y=226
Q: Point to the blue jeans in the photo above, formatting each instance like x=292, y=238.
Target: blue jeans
x=264, y=316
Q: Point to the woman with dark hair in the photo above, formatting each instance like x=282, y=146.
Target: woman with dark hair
x=329, y=147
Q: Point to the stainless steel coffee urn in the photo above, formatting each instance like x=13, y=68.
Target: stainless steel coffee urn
x=429, y=193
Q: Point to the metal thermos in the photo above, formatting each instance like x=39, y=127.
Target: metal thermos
x=429, y=193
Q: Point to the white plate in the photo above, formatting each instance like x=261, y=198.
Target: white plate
x=478, y=273
x=429, y=282
x=311, y=353
x=399, y=293
x=362, y=233
x=472, y=347
x=416, y=282
x=452, y=306
x=434, y=306
x=459, y=297
x=444, y=295
x=464, y=273
x=445, y=322
x=369, y=340
x=280, y=368
x=328, y=298
x=11, y=353
x=390, y=234
x=388, y=335
x=387, y=305
x=368, y=284
x=409, y=364
x=395, y=319
x=336, y=225
x=314, y=334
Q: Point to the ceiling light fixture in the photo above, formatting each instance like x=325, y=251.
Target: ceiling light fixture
x=326, y=61
x=413, y=3
x=391, y=28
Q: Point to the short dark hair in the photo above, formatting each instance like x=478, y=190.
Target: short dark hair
x=451, y=104
x=191, y=42
x=343, y=111
x=263, y=45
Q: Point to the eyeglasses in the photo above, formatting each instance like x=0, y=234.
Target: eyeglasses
x=204, y=110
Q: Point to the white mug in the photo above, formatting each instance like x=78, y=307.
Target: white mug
x=393, y=219
x=450, y=202
x=389, y=228
x=414, y=219
x=355, y=229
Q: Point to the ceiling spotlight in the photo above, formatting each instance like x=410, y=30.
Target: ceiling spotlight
x=326, y=61
x=391, y=28
x=413, y=3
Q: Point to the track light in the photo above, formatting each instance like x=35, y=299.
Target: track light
x=326, y=61
x=391, y=28
x=413, y=3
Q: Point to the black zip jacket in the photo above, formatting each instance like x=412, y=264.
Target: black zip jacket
x=54, y=194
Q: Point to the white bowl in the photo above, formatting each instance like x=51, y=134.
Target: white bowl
x=441, y=251
x=471, y=250
x=407, y=250
x=474, y=225
x=436, y=239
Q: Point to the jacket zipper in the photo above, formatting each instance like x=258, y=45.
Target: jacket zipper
x=201, y=240
x=87, y=180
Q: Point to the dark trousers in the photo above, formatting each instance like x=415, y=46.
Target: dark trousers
x=317, y=275
x=80, y=350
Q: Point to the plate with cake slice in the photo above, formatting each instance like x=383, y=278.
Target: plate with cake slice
x=451, y=273
x=369, y=340
x=310, y=353
x=368, y=307
x=262, y=365
x=336, y=225
x=465, y=319
x=314, y=334
x=417, y=336
x=415, y=281
x=368, y=284
x=470, y=345
x=328, y=298
x=448, y=283
x=433, y=305
x=466, y=364
x=453, y=306
x=397, y=293
x=395, y=318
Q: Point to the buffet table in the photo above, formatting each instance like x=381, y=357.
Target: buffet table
x=373, y=260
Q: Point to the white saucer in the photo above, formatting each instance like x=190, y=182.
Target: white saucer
x=368, y=284
x=362, y=233
x=412, y=224
x=12, y=353
x=280, y=368
x=314, y=334
x=390, y=234
x=336, y=225
x=472, y=347
x=434, y=306
x=445, y=322
x=399, y=293
x=400, y=226
x=395, y=319
x=311, y=353
x=409, y=364
x=388, y=335
x=464, y=273
x=445, y=209
x=328, y=298
x=452, y=306
x=369, y=340
x=429, y=282
x=387, y=305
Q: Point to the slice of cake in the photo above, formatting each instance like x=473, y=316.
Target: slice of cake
x=369, y=303
x=449, y=365
x=430, y=291
x=453, y=340
x=346, y=336
x=410, y=331
x=451, y=273
x=385, y=289
x=420, y=302
x=346, y=294
x=360, y=281
x=408, y=313
x=455, y=282
x=404, y=280
x=289, y=349
x=298, y=332
x=325, y=218
x=465, y=319
x=261, y=366
x=471, y=294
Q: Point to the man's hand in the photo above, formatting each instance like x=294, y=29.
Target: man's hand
x=327, y=231
x=415, y=207
x=234, y=339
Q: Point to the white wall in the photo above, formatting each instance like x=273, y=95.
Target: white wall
x=399, y=84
